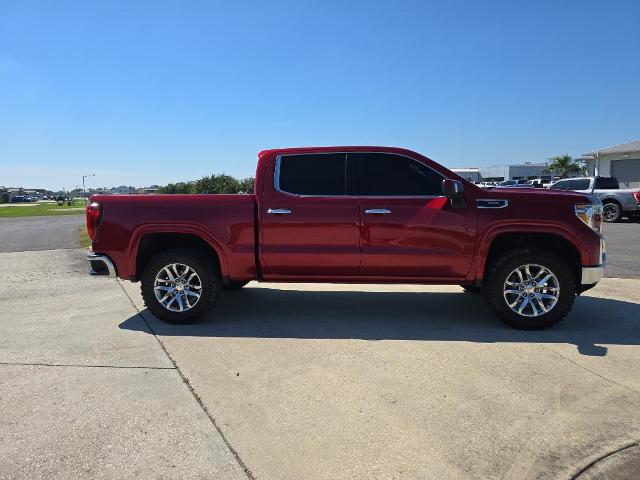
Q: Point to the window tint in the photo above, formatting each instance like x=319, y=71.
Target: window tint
x=313, y=174
x=607, y=183
x=582, y=184
x=384, y=174
x=574, y=184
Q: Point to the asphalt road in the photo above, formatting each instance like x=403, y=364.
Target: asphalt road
x=623, y=249
x=23, y=234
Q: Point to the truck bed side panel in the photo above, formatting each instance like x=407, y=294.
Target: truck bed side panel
x=225, y=222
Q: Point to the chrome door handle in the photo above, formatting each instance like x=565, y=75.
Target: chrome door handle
x=377, y=211
x=279, y=211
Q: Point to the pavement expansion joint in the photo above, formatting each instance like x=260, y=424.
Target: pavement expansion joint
x=197, y=398
x=592, y=464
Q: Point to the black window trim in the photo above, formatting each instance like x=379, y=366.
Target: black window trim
x=276, y=176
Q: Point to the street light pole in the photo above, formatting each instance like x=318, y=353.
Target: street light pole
x=84, y=192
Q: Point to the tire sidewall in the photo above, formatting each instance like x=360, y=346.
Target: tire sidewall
x=209, y=278
x=618, y=211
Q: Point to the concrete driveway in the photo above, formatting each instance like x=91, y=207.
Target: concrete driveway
x=308, y=381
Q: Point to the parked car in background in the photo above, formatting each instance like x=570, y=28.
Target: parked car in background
x=616, y=201
x=354, y=214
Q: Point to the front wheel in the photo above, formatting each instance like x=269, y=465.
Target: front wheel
x=530, y=288
x=180, y=285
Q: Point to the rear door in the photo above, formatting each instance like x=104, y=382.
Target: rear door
x=310, y=227
x=408, y=228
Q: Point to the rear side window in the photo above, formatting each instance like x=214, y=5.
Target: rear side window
x=312, y=174
x=607, y=183
x=382, y=174
x=561, y=185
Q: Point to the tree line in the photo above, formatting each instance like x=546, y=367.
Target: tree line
x=219, y=183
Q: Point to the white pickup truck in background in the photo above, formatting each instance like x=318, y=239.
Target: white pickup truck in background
x=618, y=202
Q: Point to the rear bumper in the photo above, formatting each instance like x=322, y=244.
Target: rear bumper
x=101, y=265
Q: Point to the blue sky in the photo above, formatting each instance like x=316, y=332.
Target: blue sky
x=145, y=92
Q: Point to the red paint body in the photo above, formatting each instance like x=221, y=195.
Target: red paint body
x=423, y=240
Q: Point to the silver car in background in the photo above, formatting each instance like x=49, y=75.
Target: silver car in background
x=617, y=201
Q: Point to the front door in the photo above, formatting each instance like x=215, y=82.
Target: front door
x=310, y=227
x=408, y=229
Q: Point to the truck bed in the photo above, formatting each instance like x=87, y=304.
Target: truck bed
x=225, y=222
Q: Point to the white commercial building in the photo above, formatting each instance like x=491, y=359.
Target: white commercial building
x=619, y=161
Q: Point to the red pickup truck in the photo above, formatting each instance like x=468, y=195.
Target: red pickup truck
x=360, y=215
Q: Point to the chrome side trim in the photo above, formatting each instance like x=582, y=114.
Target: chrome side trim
x=492, y=203
x=278, y=211
x=591, y=275
x=94, y=257
x=378, y=211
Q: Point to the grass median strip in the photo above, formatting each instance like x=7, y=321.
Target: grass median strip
x=41, y=209
x=85, y=242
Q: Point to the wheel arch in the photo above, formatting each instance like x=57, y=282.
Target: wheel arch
x=150, y=241
x=505, y=241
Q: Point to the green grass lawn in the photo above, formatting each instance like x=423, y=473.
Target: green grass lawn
x=84, y=237
x=41, y=208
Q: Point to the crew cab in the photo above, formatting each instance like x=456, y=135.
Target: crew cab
x=354, y=215
x=616, y=201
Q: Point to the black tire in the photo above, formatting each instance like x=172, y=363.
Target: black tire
x=612, y=212
x=499, y=271
x=471, y=289
x=210, y=279
x=234, y=286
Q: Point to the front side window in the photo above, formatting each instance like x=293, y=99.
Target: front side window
x=582, y=184
x=382, y=174
x=561, y=185
x=312, y=174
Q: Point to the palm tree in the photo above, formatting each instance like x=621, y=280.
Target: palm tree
x=564, y=165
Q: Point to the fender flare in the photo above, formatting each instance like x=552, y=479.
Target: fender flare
x=488, y=236
x=187, y=228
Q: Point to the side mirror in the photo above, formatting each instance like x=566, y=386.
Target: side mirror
x=452, y=188
x=454, y=191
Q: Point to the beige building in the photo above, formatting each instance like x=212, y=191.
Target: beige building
x=620, y=161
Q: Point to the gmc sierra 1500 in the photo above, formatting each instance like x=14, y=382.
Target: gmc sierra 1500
x=354, y=214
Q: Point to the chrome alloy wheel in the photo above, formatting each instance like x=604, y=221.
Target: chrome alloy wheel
x=609, y=212
x=177, y=287
x=531, y=290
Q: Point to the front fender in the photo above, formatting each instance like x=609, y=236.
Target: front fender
x=487, y=237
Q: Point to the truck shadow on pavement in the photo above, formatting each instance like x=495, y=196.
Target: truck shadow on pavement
x=457, y=317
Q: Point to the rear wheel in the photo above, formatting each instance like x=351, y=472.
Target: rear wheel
x=530, y=288
x=611, y=212
x=180, y=285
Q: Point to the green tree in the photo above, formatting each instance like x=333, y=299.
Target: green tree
x=220, y=183
x=246, y=185
x=564, y=165
x=180, y=187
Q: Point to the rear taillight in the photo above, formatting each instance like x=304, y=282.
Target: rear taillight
x=636, y=195
x=93, y=220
